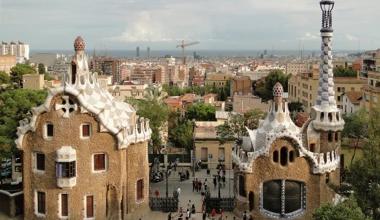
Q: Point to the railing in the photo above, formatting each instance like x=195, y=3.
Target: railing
x=169, y=204
x=225, y=204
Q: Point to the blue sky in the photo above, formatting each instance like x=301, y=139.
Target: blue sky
x=160, y=24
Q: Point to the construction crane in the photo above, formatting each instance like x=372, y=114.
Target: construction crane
x=183, y=45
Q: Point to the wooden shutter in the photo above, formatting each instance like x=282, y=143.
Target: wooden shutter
x=86, y=130
x=64, y=205
x=99, y=162
x=89, y=206
x=140, y=189
x=41, y=202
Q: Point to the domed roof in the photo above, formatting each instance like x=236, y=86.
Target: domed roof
x=278, y=90
x=79, y=44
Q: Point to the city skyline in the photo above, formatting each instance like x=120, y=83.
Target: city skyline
x=161, y=24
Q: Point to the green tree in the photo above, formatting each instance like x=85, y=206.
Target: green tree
x=154, y=109
x=41, y=68
x=344, y=72
x=296, y=107
x=181, y=132
x=346, y=210
x=4, y=78
x=364, y=174
x=356, y=128
x=201, y=112
x=14, y=106
x=18, y=71
x=235, y=127
x=264, y=89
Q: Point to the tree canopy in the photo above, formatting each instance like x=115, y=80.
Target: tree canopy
x=14, y=106
x=222, y=93
x=235, y=127
x=201, y=112
x=264, y=89
x=344, y=72
x=18, y=71
x=181, y=131
x=4, y=78
x=364, y=173
x=153, y=108
x=41, y=68
x=346, y=210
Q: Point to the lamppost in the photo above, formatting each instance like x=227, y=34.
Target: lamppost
x=193, y=153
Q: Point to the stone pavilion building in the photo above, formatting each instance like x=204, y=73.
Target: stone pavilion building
x=84, y=153
x=283, y=171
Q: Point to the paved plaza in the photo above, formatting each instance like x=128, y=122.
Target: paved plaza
x=188, y=194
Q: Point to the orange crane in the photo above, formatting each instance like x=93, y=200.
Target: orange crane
x=183, y=45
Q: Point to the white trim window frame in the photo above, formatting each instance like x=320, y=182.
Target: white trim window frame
x=93, y=163
x=85, y=207
x=35, y=163
x=35, y=199
x=60, y=206
x=81, y=131
x=45, y=131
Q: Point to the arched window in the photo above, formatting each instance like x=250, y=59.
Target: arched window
x=322, y=116
x=275, y=156
x=330, y=136
x=336, y=136
x=330, y=117
x=242, y=191
x=251, y=201
x=283, y=198
x=291, y=156
x=284, y=156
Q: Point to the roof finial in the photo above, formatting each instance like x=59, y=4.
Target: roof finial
x=79, y=44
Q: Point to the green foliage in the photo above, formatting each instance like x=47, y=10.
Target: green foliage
x=154, y=109
x=347, y=210
x=343, y=72
x=4, y=78
x=236, y=125
x=48, y=77
x=265, y=89
x=14, y=106
x=222, y=93
x=181, y=132
x=18, y=71
x=364, y=174
x=201, y=112
x=296, y=107
x=41, y=68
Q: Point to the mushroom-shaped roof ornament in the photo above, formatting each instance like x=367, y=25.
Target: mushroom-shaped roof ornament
x=79, y=44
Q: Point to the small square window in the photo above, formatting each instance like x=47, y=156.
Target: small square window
x=49, y=130
x=40, y=161
x=86, y=130
x=99, y=162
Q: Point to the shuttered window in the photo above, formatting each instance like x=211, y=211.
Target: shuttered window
x=64, y=205
x=65, y=169
x=89, y=206
x=41, y=203
x=86, y=130
x=99, y=162
x=140, y=189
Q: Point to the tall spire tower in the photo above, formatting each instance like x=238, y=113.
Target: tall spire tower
x=326, y=114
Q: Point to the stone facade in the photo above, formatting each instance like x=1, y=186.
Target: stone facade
x=56, y=130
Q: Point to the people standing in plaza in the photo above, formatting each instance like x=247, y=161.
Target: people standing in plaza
x=214, y=180
x=170, y=216
x=194, y=185
x=250, y=217
x=204, y=215
x=193, y=209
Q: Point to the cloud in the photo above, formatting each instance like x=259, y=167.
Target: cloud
x=309, y=36
x=351, y=37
